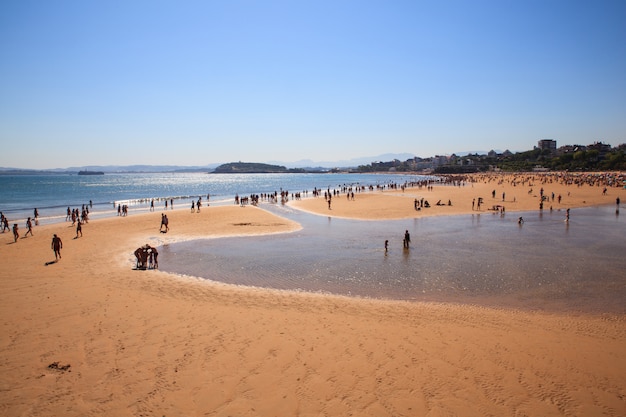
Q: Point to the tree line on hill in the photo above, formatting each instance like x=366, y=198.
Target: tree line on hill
x=254, y=168
x=597, y=157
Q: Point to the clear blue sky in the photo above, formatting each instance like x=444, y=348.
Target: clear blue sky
x=199, y=82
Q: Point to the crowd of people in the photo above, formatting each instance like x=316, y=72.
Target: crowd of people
x=4, y=224
x=147, y=257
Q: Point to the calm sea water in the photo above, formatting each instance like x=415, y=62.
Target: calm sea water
x=486, y=259
x=52, y=194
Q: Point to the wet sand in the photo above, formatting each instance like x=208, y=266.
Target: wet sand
x=88, y=335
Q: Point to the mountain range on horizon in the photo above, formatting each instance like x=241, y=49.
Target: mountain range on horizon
x=303, y=163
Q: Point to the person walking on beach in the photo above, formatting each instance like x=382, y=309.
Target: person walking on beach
x=79, y=230
x=164, y=222
x=29, y=227
x=16, y=232
x=407, y=239
x=57, y=245
x=386, y=245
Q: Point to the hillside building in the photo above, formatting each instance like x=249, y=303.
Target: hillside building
x=549, y=144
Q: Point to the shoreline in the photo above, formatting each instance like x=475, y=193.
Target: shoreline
x=520, y=193
x=131, y=342
x=106, y=206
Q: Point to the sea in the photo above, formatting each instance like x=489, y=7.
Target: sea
x=485, y=259
x=51, y=195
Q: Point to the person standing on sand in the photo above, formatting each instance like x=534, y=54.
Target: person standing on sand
x=162, y=222
x=79, y=230
x=407, y=239
x=57, y=245
x=154, y=254
x=16, y=232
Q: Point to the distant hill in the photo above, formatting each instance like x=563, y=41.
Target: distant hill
x=251, y=168
x=142, y=168
x=109, y=169
x=311, y=165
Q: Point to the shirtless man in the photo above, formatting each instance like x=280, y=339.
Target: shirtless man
x=154, y=254
x=57, y=245
x=142, y=257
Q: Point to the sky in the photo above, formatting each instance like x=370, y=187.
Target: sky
x=202, y=82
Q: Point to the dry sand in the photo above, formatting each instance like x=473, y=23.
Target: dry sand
x=525, y=195
x=88, y=335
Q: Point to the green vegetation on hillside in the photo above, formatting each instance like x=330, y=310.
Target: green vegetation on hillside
x=252, y=168
x=595, y=157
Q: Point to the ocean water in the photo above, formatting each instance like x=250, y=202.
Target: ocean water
x=484, y=259
x=53, y=194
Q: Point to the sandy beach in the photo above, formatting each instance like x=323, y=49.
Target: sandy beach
x=89, y=335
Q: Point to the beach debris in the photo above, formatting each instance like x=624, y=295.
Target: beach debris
x=55, y=366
